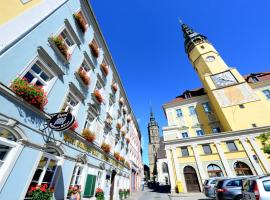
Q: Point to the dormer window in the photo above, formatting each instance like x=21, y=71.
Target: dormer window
x=187, y=95
x=254, y=79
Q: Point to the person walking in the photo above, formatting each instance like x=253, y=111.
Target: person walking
x=142, y=184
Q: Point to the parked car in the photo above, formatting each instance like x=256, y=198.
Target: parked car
x=229, y=189
x=209, y=186
x=256, y=188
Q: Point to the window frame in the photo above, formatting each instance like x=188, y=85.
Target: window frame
x=185, y=148
x=185, y=135
x=266, y=93
x=205, y=152
x=206, y=107
x=231, y=142
x=76, y=108
x=193, y=113
x=200, y=131
x=179, y=113
x=215, y=132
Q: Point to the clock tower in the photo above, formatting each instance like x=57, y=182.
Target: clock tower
x=237, y=105
x=153, y=134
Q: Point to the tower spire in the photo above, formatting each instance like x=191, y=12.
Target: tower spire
x=191, y=38
x=152, y=118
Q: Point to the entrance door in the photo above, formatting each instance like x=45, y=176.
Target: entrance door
x=191, y=179
x=112, y=185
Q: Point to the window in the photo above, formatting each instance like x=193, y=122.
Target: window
x=242, y=169
x=184, y=135
x=206, y=107
x=184, y=151
x=38, y=74
x=71, y=104
x=164, y=167
x=192, y=110
x=67, y=38
x=267, y=93
x=179, y=113
x=77, y=176
x=199, y=132
x=231, y=146
x=85, y=66
x=216, y=130
x=266, y=185
x=235, y=183
x=214, y=171
x=241, y=106
x=45, y=171
x=255, y=79
x=207, y=149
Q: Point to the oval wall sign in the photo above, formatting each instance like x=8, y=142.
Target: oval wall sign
x=61, y=121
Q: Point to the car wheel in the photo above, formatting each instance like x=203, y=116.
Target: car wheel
x=238, y=198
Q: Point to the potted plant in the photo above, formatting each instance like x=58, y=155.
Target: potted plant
x=114, y=87
x=118, y=126
x=128, y=140
x=122, y=159
x=88, y=135
x=121, y=194
x=104, y=68
x=99, y=194
x=106, y=147
x=80, y=21
x=98, y=96
x=123, y=133
x=125, y=193
x=61, y=45
x=121, y=101
x=117, y=155
x=94, y=48
x=84, y=76
x=74, y=126
x=124, y=110
x=31, y=93
x=41, y=192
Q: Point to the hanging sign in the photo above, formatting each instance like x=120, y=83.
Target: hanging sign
x=61, y=121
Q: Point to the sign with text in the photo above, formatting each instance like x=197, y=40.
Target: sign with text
x=61, y=121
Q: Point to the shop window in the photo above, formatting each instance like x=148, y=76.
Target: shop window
x=214, y=171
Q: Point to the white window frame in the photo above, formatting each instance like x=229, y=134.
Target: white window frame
x=82, y=175
x=76, y=108
x=10, y=160
x=70, y=48
x=193, y=113
x=47, y=88
x=181, y=111
x=201, y=131
x=185, y=136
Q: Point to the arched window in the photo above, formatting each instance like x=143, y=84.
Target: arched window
x=214, y=171
x=241, y=169
x=164, y=167
x=46, y=170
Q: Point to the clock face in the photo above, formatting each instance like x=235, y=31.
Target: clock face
x=210, y=58
x=224, y=79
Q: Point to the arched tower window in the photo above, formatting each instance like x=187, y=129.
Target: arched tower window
x=164, y=167
x=214, y=171
x=241, y=169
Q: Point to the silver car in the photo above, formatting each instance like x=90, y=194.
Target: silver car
x=256, y=188
x=209, y=187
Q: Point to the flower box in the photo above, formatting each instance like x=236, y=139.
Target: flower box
x=114, y=87
x=99, y=194
x=94, y=48
x=128, y=140
x=61, y=45
x=123, y=133
x=121, y=101
x=80, y=21
x=118, y=126
x=124, y=110
x=31, y=93
x=84, y=76
x=74, y=126
x=104, y=68
x=41, y=192
x=117, y=155
x=106, y=147
x=88, y=135
x=98, y=96
x=122, y=159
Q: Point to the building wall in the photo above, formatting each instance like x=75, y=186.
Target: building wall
x=16, y=54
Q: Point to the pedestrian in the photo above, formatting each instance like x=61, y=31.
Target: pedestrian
x=75, y=193
x=143, y=185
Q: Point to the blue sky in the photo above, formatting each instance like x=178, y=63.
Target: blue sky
x=146, y=43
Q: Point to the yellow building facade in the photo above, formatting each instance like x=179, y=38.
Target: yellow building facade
x=212, y=131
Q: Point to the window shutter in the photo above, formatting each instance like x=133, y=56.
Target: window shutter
x=89, y=189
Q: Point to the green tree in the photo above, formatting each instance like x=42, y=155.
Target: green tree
x=265, y=139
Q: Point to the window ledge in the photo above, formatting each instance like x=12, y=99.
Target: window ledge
x=76, y=91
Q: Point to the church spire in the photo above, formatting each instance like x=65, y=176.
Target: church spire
x=191, y=38
x=152, y=119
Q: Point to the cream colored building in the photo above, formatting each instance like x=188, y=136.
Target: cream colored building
x=212, y=131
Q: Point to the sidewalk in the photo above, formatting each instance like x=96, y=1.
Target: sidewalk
x=136, y=195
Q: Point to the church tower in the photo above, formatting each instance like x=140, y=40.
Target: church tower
x=153, y=134
x=238, y=106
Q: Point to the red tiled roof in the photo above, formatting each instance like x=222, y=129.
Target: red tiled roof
x=188, y=94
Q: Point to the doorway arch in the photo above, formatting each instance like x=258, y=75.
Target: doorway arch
x=191, y=179
x=242, y=169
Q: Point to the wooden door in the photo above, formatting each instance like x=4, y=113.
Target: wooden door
x=191, y=179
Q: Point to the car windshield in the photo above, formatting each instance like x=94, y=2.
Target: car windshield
x=266, y=185
x=219, y=184
x=213, y=182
